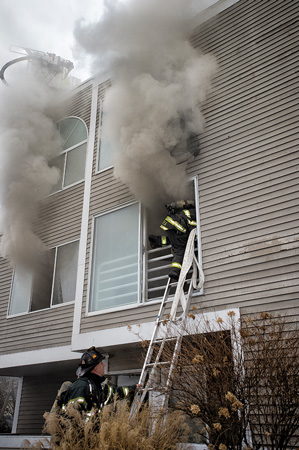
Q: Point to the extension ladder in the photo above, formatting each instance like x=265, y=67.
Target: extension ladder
x=173, y=333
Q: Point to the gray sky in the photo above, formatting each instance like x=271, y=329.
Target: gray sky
x=48, y=26
x=45, y=25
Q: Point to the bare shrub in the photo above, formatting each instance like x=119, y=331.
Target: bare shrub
x=115, y=430
x=239, y=380
x=271, y=351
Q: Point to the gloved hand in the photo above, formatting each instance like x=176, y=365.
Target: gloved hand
x=154, y=241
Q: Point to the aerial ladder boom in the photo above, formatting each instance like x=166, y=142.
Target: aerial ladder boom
x=172, y=333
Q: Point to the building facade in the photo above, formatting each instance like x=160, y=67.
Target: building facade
x=245, y=182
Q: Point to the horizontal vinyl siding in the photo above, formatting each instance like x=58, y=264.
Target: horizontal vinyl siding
x=59, y=222
x=36, y=330
x=79, y=105
x=38, y=395
x=248, y=165
x=60, y=216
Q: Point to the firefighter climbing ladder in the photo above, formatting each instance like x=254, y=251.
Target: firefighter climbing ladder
x=172, y=333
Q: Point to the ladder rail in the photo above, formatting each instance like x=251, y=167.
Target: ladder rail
x=150, y=347
x=150, y=368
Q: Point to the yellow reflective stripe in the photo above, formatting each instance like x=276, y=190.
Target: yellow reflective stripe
x=163, y=228
x=110, y=392
x=175, y=264
x=175, y=224
x=187, y=212
x=164, y=240
x=89, y=415
x=126, y=391
x=192, y=222
x=80, y=400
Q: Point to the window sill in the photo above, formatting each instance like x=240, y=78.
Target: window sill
x=135, y=305
x=67, y=187
x=39, y=310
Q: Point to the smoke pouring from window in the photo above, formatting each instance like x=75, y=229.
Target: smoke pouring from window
x=159, y=83
x=28, y=141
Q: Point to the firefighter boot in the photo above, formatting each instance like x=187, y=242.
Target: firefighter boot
x=174, y=274
x=155, y=241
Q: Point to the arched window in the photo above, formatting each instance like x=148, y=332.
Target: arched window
x=71, y=161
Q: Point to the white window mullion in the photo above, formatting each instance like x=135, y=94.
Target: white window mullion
x=54, y=275
x=17, y=406
x=64, y=169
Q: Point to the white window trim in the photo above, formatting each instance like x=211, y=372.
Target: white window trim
x=142, y=263
x=25, y=313
x=85, y=212
x=194, y=180
x=98, y=156
x=54, y=273
x=17, y=406
x=66, y=151
x=198, y=228
x=121, y=307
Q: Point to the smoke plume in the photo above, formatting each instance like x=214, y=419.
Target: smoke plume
x=28, y=141
x=159, y=83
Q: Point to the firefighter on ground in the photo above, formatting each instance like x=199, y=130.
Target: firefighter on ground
x=178, y=224
x=88, y=392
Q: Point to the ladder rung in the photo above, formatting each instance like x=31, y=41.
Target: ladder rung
x=146, y=389
x=163, y=320
x=160, y=340
x=161, y=363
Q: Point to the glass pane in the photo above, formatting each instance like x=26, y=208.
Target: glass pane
x=66, y=273
x=106, y=158
x=106, y=151
x=114, y=280
x=75, y=165
x=59, y=163
x=21, y=292
x=42, y=283
x=73, y=131
x=8, y=394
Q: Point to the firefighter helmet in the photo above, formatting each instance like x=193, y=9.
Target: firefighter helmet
x=88, y=361
x=179, y=205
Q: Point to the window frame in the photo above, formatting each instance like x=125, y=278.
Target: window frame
x=65, y=152
x=98, y=155
x=143, y=259
x=51, y=305
x=89, y=313
x=146, y=300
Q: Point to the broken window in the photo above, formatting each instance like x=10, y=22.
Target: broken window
x=53, y=283
x=71, y=161
x=115, y=258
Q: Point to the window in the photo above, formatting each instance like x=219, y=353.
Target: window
x=119, y=274
x=106, y=151
x=52, y=284
x=115, y=259
x=71, y=161
x=158, y=260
